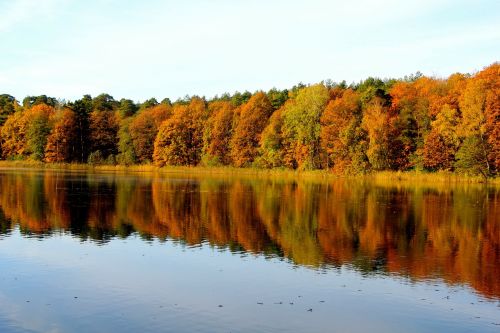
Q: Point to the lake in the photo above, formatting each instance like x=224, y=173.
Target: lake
x=106, y=252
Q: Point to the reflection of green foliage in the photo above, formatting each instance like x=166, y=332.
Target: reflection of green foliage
x=5, y=224
x=35, y=200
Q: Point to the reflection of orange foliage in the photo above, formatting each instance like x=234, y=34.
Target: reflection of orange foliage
x=421, y=232
x=55, y=193
x=22, y=202
x=177, y=206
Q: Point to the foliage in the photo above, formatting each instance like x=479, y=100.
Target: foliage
x=8, y=106
x=472, y=157
x=126, y=153
x=218, y=132
x=271, y=143
x=342, y=138
x=180, y=138
x=418, y=122
x=143, y=129
x=127, y=108
x=104, y=132
x=252, y=121
x=62, y=138
x=301, y=127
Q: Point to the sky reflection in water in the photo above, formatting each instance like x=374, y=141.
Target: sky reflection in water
x=103, y=252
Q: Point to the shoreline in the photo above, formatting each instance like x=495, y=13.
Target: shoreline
x=392, y=176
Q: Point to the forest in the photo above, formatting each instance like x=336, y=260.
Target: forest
x=413, y=123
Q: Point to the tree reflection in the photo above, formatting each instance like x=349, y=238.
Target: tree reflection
x=421, y=232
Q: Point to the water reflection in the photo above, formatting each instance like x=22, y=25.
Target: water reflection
x=450, y=232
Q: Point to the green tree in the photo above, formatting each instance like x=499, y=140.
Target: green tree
x=104, y=102
x=31, y=101
x=277, y=97
x=38, y=129
x=126, y=153
x=127, y=108
x=8, y=105
x=472, y=157
x=301, y=127
x=271, y=143
x=82, y=109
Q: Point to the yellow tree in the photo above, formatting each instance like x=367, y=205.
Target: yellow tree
x=180, y=138
x=61, y=139
x=480, y=105
x=384, y=147
x=13, y=135
x=143, y=130
x=271, y=142
x=301, y=127
x=218, y=132
x=442, y=142
x=24, y=134
x=342, y=138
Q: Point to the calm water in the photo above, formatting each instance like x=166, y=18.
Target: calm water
x=122, y=253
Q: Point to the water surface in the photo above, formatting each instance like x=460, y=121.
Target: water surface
x=94, y=252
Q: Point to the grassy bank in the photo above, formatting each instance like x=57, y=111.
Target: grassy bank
x=381, y=176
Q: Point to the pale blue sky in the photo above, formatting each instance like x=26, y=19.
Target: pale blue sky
x=141, y=49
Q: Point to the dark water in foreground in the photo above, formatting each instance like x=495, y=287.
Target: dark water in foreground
x=120, y=253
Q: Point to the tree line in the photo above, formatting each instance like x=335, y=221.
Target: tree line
x=416, y=122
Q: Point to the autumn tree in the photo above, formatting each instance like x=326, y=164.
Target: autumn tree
x=13, y=136
x=252, y=121
x=143, y=129
x=38, y=119
x=24, y=134
x=271, y=143
x=383, y=145
x=301, y=127
x=442, y=142
x=217, y=133
x=491, y=77
x=180, y=138
x=62, y=138
x=342, y=137
x=103, y=127
x=414, y=122
x=479, y=104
